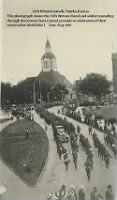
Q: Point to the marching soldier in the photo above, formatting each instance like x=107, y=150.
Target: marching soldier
x=88, y=170
x=27, y=133
x=78, y=129
x=107, y=161
x=66, y=158
x=90, y=130
x=75, y=157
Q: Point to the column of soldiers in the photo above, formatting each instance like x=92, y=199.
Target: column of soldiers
x=74, y=147
x=111, y=142
x=103, y=153
x=62, y=152
x=89, y=161
x=59, y=144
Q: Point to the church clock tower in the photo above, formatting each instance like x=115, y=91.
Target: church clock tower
x=48, y=60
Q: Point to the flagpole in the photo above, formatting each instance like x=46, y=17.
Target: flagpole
x=34, y=97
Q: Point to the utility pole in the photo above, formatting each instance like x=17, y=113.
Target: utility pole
x=40, y=92
x=48, y=97
x=34, y=96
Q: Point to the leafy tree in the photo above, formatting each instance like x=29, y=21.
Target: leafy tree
x=6, y=97
x=20, y=93
x=44, y=88
x=58, y=92
x=95, y=84
x=23, y=91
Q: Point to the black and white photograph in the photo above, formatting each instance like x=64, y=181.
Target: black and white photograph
x=58, y=111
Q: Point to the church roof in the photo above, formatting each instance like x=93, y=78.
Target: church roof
x=48, y=51
x=48, y=44
x=48, y=55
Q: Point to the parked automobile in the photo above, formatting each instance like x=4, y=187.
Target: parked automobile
x=63, y=136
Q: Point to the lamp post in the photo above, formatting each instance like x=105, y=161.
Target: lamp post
x=48, y=97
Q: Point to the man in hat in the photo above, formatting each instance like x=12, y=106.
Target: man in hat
x=109, y=193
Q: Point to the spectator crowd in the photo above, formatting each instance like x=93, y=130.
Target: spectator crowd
x=73, y=193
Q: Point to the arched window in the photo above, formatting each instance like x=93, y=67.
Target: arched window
x=46, y=64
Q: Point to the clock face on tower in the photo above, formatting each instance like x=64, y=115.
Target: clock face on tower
x=48, y=59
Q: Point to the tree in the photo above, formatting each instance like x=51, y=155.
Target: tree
x=58, y=92
x=44, y=88
x=20, y=93
x=6, y=96
x=24, y=90
x=95, y=84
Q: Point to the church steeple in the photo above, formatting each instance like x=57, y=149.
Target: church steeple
x=48, y=59
x=48, y=46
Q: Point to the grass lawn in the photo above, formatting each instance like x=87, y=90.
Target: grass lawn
x=26, y=157
x=109, y=111
x=4, y=120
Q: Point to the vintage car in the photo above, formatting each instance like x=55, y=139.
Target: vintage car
x=62, y=135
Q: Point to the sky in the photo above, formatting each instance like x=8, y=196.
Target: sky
x=80, y=49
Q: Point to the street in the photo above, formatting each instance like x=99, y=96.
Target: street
x=100, y=176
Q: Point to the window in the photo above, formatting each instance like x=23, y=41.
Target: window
x=46, y=64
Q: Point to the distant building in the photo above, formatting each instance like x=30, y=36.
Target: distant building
x=50, y=75
x=48, y=60
x=114, y=70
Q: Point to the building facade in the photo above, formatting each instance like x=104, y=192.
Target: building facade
x=114, y=70
x=48, y=60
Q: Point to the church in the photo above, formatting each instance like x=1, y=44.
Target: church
x=48, y=60
x=49, y=72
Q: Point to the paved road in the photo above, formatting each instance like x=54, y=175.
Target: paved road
x=100, y=176
x=55, y=174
